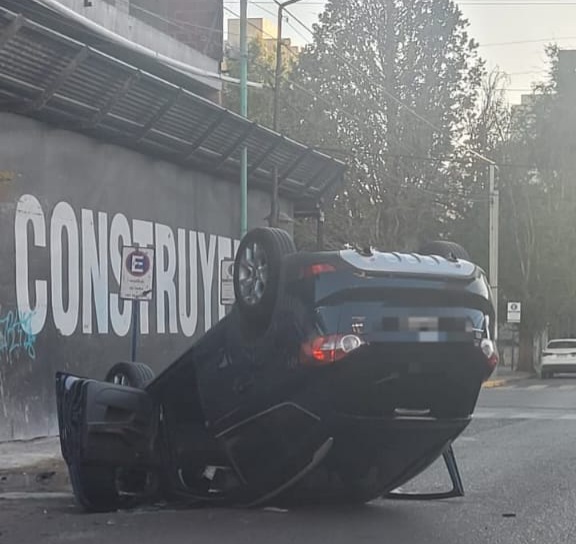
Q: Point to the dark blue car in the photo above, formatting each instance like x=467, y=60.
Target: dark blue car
x=337, y=377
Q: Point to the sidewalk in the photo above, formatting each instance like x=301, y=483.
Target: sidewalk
x=32, y=466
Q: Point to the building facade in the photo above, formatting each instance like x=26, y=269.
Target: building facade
x=96, y=155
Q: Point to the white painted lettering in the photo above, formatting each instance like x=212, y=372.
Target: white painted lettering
x=165, y=272
x=188, y=319
x=94, y=271
x=64, y=221
x=120, y=310
x=29, y=211
x=207, y=254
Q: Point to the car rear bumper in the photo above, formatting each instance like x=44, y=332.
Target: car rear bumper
x=436, y=380
x=569, y=366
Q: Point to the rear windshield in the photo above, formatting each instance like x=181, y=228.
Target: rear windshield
x=562, y=344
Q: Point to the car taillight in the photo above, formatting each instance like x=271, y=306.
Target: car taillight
x=326, y=350
x=491, y=353
x=317, y=269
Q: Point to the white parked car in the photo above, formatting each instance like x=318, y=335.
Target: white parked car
x=559, y=356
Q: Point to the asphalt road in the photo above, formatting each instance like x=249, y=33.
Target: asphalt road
x=518, y=461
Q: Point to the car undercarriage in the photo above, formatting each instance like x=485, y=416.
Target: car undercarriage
x=336, y=377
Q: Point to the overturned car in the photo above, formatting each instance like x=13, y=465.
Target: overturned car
x=337, y=376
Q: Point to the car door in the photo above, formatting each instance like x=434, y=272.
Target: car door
x=104, y=423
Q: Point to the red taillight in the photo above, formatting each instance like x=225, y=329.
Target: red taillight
x=317, y=269
x=491, y=353
x=326, y=350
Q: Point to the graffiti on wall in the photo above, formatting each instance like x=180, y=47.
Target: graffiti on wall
x=17, y=340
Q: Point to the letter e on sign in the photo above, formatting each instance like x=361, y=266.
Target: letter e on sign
x=137, y=276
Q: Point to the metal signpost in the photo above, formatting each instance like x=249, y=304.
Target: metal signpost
x=136, y=282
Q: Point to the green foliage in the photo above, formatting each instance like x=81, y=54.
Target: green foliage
x=368, y=59
x=539, y=206
x=261, y=70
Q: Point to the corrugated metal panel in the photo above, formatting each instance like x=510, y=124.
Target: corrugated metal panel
x=45, y=74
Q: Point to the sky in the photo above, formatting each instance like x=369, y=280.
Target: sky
x=493, y=23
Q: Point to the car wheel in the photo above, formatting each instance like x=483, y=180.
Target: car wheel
x=94, y=487
x=137, y=375
x=448, y=250
x=258, y=271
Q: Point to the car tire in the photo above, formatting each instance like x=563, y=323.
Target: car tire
x=258, y=271
x=448, y=250
x=94, y=487
x=137, y=375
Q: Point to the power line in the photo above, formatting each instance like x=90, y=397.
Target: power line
x=345, y=111
x=395, y=99
x=525, y=42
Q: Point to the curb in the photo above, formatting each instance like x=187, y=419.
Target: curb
x=499, y=382
x=490, y=384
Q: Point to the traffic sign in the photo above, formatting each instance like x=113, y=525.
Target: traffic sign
x=514, y=312
x=137, y=276
x=227, y=296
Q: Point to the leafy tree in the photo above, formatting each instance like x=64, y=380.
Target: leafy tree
x=261, y=70
x=488, y=133
x=389, y=82
x=538, y=207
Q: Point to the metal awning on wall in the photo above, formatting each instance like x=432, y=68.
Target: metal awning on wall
x=52, y=77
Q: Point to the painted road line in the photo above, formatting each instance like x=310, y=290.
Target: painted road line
x=484, y=415
x=41, y=496
x=524, y=416
x=536, y=387
x=531, y=415
x=566, y=387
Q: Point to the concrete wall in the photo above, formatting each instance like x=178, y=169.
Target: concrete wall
x=115, y=16
x=199, y=23
x=67, y=205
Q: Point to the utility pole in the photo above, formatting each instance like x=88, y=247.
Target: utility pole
x=275, y=121
x=244, y=113
x=278, y=73
x=494, y=239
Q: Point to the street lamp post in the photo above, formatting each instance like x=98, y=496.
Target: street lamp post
x=244, y=113
x=278, y=73
x=494, y=239
x=277, y=76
